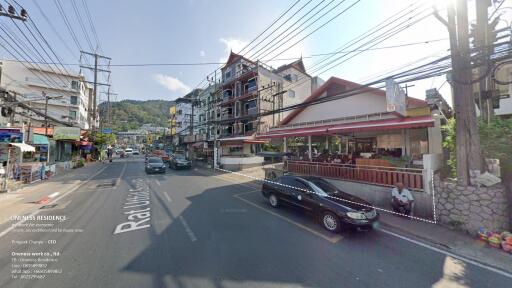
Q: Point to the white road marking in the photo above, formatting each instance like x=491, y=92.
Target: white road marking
x=190, y=234
x=3, y=233
x=158, y=182
x=167, y=197
x=53, y=195
x=461, y=258
x=121, y=175
x=333, y=239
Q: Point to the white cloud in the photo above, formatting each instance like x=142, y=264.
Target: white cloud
x=232, y=44
x=171, y=83
x=202, y=53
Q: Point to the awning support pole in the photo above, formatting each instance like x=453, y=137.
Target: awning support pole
x=309, y=148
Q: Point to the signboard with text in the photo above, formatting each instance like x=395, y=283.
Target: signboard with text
x=10, y=135
x=106, y=131
x=66, y=133
x=395, y=98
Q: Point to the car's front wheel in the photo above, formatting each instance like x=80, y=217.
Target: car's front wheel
x=331, y=222
x=273, y=200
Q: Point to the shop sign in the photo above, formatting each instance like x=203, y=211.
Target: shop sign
x=66, y=133
x=395, y=97
x=10, y=135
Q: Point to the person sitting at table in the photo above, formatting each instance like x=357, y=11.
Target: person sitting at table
x=401, y=199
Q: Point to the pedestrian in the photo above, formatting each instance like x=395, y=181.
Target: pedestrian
x=401, y=199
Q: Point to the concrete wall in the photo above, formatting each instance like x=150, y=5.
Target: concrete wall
x=468, y=207
x=239, y=163
x=380, y=196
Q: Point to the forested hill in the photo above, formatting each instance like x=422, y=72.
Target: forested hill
x=131, y=114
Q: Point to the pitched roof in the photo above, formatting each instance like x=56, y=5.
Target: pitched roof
x=233, y=57
x=298, y=64
x=335, y=86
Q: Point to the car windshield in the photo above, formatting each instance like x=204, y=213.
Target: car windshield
x=180, y=157
x=155, y=160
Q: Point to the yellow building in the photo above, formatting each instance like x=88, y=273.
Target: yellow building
x=172, y=119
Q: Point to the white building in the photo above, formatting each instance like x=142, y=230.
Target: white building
x=67, y=92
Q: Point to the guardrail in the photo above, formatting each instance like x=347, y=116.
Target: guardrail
x=378, y=175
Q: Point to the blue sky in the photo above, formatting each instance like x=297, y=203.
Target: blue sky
x=162, y=31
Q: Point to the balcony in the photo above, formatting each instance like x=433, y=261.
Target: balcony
x=245, y=96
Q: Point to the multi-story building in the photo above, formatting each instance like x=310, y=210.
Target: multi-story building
x=68, y=95
x=248, y=89
x=183, y=117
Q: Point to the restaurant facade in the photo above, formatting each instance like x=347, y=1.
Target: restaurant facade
x=360, y=134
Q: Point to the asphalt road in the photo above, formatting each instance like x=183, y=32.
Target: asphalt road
x=200, y=230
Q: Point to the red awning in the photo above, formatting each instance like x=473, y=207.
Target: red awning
x=378, y=125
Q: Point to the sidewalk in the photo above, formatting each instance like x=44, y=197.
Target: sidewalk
x=23, y=200
x=449, y=240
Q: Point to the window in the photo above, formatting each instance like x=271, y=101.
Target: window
x=73, y=100
x=288, y=77
x=249, y=127
x=251, y=85
x=250, y=105
x=227, y=94
x=235, y=149
x=300, y=186
x=180, y=112
x=75, y=85
x=72, y=114
x=291, y=93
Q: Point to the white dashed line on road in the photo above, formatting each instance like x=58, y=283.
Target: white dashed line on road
x=167, y=197
x=158, y=182
x=190, y=234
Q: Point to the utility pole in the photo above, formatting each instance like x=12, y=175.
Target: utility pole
x=482, y=42
x=469, y=160
x=46, y=98
x=95, y=83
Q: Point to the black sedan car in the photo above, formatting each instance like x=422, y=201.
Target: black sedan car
x=334, y=208
x=155, y=165
x=178, y=161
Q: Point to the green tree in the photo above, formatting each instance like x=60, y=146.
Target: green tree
x=495, y=142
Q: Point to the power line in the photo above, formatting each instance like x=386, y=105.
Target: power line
x=260, y=52
x=82, y=26
x=268, y=27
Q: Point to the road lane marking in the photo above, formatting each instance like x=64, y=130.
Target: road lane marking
x=121, y=174
x=167, y=197
x=158, y=182
x=461, y=258
x=190, y=234
x=333, y=239
x=3, y=233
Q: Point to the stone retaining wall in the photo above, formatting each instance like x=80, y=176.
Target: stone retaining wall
x=469, y=207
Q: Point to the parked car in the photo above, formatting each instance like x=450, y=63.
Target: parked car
x=178, y=161
x=136, y=152
x=155, y=165
x=128, y=152
x=334, y=208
